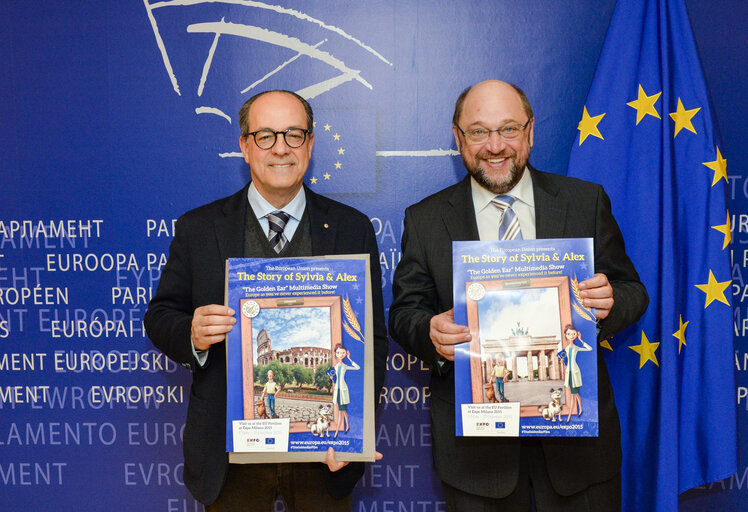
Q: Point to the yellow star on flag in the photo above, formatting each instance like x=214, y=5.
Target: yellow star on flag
x=336, y=136
x=341, y=151
x=714, y=290
x=327, y=127
x=725, y=229
x=338, y=165
x=719, y=166
x=681, y=333
x=682, y=118
x=326, y=175
x=606, y=344
x=645, y=105
x=588, y=126
x=646, y=351
x=313, y=180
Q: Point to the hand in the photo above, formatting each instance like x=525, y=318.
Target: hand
x=333, y=464
x=445, y=334
x=210, y=325
x=597, y=293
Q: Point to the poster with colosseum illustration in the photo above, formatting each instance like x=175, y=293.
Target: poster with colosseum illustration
x=530, y=368
x=299, y=360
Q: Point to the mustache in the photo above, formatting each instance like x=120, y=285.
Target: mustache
x=483, y=155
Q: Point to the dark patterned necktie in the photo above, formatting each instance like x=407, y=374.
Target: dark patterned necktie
x=509, y=228
x=277, y=221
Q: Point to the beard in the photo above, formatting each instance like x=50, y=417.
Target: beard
x=496, y=186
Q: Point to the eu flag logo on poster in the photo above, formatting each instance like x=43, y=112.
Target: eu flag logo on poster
x=269, y=440
x=646, y=134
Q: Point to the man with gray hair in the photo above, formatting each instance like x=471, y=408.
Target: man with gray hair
x=504, y=197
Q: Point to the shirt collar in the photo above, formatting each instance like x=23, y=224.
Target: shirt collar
x=261, y=207
x=522, y=192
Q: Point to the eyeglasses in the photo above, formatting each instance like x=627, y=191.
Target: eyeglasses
x=265, y=139
x=481, y=135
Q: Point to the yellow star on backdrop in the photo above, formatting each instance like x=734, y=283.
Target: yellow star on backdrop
x=646, y=351
x=341, y=151
x=714, y=290
x=327, y=127
x=314, y=124
x=313, y=180
x=326, y=175
x=336, y=136
x=645, y=105
x=719, y=166
x=338, y=165
x=588, y=126
x=682, y=118
x=725, y=229
x=606, y=344
x=681, y=333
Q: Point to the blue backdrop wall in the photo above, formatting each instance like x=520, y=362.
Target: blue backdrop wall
x=119, y=116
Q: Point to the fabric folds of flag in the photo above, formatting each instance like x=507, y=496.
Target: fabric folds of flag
x=646, y=135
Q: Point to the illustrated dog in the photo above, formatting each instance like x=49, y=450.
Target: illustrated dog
x=490, y=395
x=261, y=413
x=321, y=426
x=553, y=410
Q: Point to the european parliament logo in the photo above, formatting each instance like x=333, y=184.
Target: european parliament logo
x=217, y=54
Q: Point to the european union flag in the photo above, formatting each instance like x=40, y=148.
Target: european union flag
x=647, y=136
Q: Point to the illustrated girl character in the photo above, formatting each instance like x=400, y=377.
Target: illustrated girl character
x=268, y=393
x=499, y=375
x=567, y=352
x=340, y=394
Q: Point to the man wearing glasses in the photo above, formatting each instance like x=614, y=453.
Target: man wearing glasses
x=505, y=198
x=273, y=215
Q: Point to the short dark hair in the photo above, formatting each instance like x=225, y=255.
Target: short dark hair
x=461, y=101
x=244, y=111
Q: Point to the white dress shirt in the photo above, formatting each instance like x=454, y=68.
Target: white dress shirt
x=488, y=216
x=262, y=208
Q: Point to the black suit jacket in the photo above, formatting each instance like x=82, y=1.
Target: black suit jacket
x=564, y=208
x=194, y=276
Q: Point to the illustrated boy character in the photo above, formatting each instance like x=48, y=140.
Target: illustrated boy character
x=268, y=394
x=340, y=393
x=567, y=352
x=499, y=375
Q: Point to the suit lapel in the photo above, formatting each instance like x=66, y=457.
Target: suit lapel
x=459, y=214
x=550, y=212
x=230, y=228
x=323, y=228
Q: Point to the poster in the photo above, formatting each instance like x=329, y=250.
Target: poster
x=530, y=368
x=299, y=359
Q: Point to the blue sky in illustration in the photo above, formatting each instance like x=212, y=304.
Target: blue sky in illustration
x=535, y=309
x=293, y=327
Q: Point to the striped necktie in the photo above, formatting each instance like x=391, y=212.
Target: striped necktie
x=509, y=228
x=277, y=222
